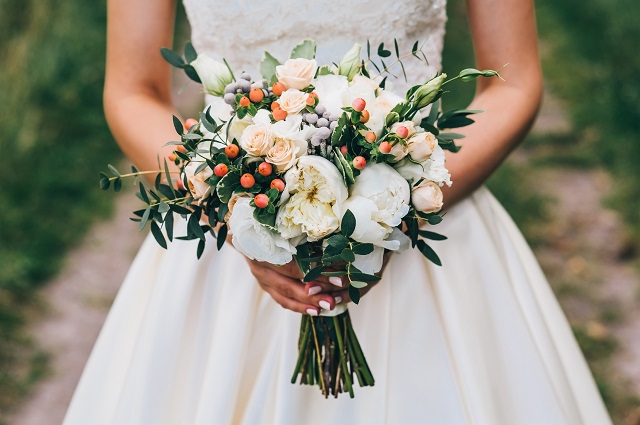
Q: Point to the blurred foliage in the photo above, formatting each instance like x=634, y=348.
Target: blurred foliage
x=52, y=66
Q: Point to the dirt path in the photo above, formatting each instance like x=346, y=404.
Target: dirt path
x=78, y=300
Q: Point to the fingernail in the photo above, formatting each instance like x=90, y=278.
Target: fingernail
x=315, y=290
x=335, y=280
x=312, y=312
x=338, y=299
x=324, y=305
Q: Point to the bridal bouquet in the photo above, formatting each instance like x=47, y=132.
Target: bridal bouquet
x=317, y=164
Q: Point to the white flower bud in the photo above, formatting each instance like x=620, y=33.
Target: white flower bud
x=215, y=76
x=350, y=63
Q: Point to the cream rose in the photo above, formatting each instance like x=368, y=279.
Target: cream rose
x=254, y=240
x=293, y=101
x=399, y=151
x=290, y=142
x=257, y=139
x=409, y=124
x=198, y=185
x=297, y=73
x=311, y=202
x=421, y=146
x=427, y=197
x=380, y=108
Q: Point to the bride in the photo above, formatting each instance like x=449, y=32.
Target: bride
x=480, y=340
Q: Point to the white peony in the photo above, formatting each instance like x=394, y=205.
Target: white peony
x=214, y=75
x=297, y=73
x=360, y=87
x=254, y=240
x=311, y=202
x=433, y=169
x=379, y=200
x=329, y=89
x=427, y=197
x=380, y=108
x=293, y=101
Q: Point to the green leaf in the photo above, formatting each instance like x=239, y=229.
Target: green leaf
x=429, y=253
x=348, y=224
x=167, y=175
x=268, y=68
x=105, y=183
x=306, y=49
x=227, y=185
x=117, y=184
x=114, y=170
x=200, y=249
x=192, y=73
x=432, y=235
x=338, y=273
x=344, y=167
x=363, y=248
x=190, y=53
x=348, y=255
x=222, y=236
x=392, y=118
x=163, y=207
x=358, y=284
x=364, y=277
x=325, y=70
x=172, y=57
x=338, y=241
x=354, y=294
x=313, y=274
x=382, y=52
x=157, y=234
x=168, y=225
x=434, y=219
x=143, y=193
x=180, y=209
x=145, y=218
x=194, y=226
x=177, y=124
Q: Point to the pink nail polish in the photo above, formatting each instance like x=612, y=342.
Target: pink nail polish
x=335, y=280
x=325, y=305
x=315, y=290
x=338, y=299
x=312, y=312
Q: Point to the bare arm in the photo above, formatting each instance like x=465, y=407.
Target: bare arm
x=137, y=93
x=503, y=32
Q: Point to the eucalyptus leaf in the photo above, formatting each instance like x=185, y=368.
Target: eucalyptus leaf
x=172, y=57
x=358, y=284
x=177, y=124
x=190, y=53
x=354, y=294
x=432, y=235
x=313, y=274
x=145, y=218
x=200, y=250
x=168, y=225
x=222, y=236
x=364, y=277
x=363, y=249
x=194, y=226
x=348, y=224
x=348, y=255
x=306, y=49
x=192, y=73
x=105, y=183
x=157, y=234
x=117, y=184
x=429, y=253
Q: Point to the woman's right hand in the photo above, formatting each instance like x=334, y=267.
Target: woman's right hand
x=284, y=284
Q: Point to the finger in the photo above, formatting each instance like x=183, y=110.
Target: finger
x=291, y=304
x=294, y=289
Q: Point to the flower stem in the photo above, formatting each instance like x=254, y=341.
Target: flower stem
x=343, y=360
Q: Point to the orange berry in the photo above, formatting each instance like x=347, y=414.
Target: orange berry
x=370, y=137
x=358, y=104
x=365, y=116
x=385, y=147
x=274, y=106
x=359, y=162
x=181, y=148
x=402, y=132
x=279, y=114
x=180, y=185
x=221, y=170
x=261, y=200
x=277, y=184
x=247, y=181
x=172, y=157
x=256, y=95
x=244, y=101
x=190, y=122
x=265, y=169
x=343, y=150
x=311, y=101
x=278, y=88
x=313, y=94
x=231, y=151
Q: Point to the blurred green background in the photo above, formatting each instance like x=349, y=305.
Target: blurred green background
x=52, y=130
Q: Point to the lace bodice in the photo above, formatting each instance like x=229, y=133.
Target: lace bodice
x=240, y=30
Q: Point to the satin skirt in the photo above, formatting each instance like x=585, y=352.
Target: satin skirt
x=480, y=340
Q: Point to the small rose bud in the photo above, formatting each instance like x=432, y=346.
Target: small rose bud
x=265, y=169
x=221, y=170
x=277, y=184
x=247, y=181
x=359, y=162
x=231, y=151
x=358, y=104
x=190, y=122
x=385, y=147
x=261, y=200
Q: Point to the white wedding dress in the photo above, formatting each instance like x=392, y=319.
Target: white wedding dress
x=480, y=340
